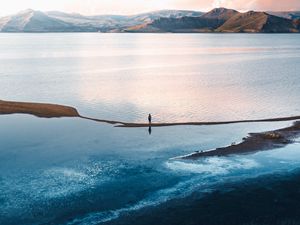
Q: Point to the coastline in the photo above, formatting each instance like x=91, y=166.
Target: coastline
x=50, y=110
x=252, y=143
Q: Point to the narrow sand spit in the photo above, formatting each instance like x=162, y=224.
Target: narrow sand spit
x=47, y=110
x=37, y=109
x=254, y=142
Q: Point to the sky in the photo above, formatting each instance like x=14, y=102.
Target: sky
x=93, y=7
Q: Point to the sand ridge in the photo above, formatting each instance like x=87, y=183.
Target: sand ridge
x=254, y=142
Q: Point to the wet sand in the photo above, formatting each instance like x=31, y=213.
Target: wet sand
x=254, y=142
x=135, y=125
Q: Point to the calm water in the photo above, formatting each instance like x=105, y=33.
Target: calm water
x=72, y=171
x=176, y=77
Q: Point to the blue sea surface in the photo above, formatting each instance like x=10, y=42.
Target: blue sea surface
x=68, y=171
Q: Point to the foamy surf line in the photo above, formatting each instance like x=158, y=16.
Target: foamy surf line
x=208, y=177
x=213, y=166
x=156, y=199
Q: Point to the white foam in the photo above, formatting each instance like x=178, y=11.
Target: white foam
x=54, y=182
x=195, y=168
x=66, y=180
x=67, y=173
x=213, y=166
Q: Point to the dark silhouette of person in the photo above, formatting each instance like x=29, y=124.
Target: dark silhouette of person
x=149, y=118
x=149, y=130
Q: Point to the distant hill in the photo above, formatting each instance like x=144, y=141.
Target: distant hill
x=222, y=20
x=297, y=24
x=258, y=22
x=216, y=20
x=33, y=21
x=221, y=14
x=207, y=22
x=55, y=21
x=288, y=15
x=178, y=25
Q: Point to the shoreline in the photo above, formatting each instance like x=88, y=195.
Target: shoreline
x=44, y=110
x=252, y=143
x=136, y=125
x=49, y=110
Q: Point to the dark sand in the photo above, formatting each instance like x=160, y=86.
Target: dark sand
x=124, y=124
x=254, y=142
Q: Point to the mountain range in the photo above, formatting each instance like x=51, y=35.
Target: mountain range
x=177, y=21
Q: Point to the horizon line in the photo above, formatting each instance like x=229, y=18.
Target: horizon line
x=145, y=12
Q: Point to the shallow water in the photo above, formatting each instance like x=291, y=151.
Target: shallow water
x=74, y=171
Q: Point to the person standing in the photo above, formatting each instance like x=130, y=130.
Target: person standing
x=149, y=118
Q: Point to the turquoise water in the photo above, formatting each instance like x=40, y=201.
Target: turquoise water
x=73, y=171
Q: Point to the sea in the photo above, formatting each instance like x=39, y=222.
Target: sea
x=71, y=171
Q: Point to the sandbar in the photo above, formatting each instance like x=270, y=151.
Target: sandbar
x=253, y=143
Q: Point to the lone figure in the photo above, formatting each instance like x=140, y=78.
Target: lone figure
x=149, y=118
